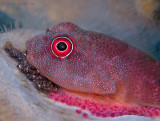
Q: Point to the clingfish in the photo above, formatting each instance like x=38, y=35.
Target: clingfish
x=96, y=72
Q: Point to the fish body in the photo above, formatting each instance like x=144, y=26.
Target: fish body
x=91, y=62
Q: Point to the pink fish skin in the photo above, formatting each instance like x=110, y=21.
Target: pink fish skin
x=97, y=64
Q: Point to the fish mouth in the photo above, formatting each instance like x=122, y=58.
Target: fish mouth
x=95, y=104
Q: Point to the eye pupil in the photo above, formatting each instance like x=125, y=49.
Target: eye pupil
x=61, y=46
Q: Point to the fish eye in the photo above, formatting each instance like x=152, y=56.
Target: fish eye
x=61, y=46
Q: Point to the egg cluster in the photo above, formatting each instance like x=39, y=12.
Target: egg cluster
x=102, y=110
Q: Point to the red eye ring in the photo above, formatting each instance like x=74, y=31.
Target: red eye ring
x=61, y=46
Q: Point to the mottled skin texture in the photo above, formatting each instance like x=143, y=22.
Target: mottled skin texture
x=98, y=64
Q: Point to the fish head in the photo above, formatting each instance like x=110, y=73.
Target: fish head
x=79, y=60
